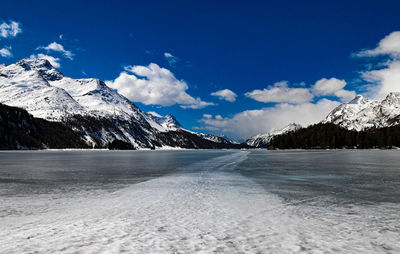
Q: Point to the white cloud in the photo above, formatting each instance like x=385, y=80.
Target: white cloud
x=390, y=45
x=252, y=122
x=208, y=116
x=225, y=94
x=197, y=104
x=345, y=95
x=280, y=92
x=170, y=58
x=10, y=30
x=155, y=85
x=295, y=105
x=333, y=86
x=6, y=52
x=385, y=78
x=53, y=60
x=54, y=46
x=328, y=86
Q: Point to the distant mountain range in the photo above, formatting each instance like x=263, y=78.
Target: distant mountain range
x=358, y=117
x=96, y=113
x=362, y=113
x=263, y=140
x=46, y=109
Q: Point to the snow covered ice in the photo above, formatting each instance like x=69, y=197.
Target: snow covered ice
x=207, y=207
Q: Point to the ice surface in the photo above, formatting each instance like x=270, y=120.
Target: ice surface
x=209, y=209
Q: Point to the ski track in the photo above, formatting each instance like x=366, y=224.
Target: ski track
x=213, y=209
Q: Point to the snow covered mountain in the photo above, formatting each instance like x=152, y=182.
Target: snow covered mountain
x=88, y=106
x=358, y=114
x=263, y=140
x=362, y=113
x=167, y=123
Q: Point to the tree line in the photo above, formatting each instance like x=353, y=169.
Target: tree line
x=331, y=136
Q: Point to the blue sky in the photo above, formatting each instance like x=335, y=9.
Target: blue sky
x=269, y=53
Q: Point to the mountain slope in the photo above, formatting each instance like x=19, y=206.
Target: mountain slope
x=362, y=113
x=25, y=85
x=361, y=123
x=87, y=106
x=263, y=140
x=20, y=130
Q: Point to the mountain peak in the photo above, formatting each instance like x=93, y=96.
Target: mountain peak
x=94, y=111
x=263, y=140
x=392, y=100
x=359, y=99
x=361, y=113
x=43, y=66
x=393, y=95
x=30, y=63
x=173, y=121
x=170, y=116
x=293, y=126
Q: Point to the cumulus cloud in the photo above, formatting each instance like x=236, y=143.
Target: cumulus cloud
x=10, y=29
x=385, y=77
x=390, y=45
x=383, y=80
x=155, y=85
x=295, y=103
x=207, y=116
x=197, y=104
x=282, y=93
x=252, y=122
x=225, y=94
x=54, y=46
x=328, y=86
x=6, y=52
x=170, y=58
x=345, y=95
x=53, y=60
x=333, y=86
x=300, y=105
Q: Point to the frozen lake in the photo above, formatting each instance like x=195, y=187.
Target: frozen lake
x=200, y=201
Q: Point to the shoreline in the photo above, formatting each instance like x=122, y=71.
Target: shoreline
x=194, y=149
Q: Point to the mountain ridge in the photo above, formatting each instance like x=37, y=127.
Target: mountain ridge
x=89, y=107
x=362, y=113
x=263, y=140
x=101, y=115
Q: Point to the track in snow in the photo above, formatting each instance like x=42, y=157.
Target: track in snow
x=210, y=209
